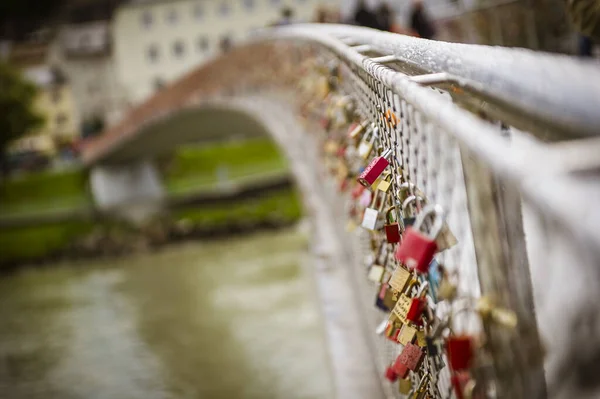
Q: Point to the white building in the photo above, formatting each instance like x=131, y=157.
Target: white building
x=155, y=42
x=84, y=52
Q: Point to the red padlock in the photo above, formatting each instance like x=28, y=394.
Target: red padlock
x=400, y=369
x=460, y=350
x=390, y=374
x=459, y=380
x=374, y=169
x=392, y=230
x=410, y=359
x=417, y=249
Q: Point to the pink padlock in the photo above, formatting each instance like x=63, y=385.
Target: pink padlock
x=374, y=169
x=417, y=249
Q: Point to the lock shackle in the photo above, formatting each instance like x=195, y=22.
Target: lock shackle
x=388, y=214
x=410, y=200
x=423, y=288
x=440, y=217
x=465, y=308
x=419, y=387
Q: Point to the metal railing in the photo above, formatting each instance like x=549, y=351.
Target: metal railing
x=490, y=134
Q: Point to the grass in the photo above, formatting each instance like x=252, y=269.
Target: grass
x=28, y=243
x=192, y=169
x=283, y=206
x=196, y=167
x=44, y=191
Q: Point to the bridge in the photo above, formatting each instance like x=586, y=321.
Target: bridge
x=504, y=140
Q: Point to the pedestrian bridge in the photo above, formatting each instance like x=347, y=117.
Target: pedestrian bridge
x=504, y=140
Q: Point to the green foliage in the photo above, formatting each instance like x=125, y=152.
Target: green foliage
x=44, y=192
x=28, y=243
x=17, y=115
x=194, y=167
x=284, y=206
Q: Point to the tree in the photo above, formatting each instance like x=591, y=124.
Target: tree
x=17, y=115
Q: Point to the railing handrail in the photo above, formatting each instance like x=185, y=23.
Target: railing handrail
x=556, y=93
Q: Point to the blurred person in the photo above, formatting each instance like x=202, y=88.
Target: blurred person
x=385, y=17
x=420, y=21
x=585, y=16
x=364, y=17
x=321, y=15
x=287, y=14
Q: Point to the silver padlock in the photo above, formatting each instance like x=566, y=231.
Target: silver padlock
x=373, y=218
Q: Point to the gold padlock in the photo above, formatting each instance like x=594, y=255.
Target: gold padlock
x=400, y=279
x=445, y=239
x=404, y=386
x=421, y=338
x=407, y=334
x=385, y=182
x=401, y=308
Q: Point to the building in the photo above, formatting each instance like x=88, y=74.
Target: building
x=54, y=101
x=84, y=52
x=155, y=42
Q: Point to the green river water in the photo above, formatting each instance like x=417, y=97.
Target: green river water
x=223, y=319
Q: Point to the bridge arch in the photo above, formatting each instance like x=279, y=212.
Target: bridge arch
x=478, y=168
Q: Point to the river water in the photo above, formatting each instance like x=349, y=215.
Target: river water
x=220, y=319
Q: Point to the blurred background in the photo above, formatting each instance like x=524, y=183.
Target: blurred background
x=191, y=303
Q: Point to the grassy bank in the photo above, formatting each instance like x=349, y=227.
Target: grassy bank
x=191, y=169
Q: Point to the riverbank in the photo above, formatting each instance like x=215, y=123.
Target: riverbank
x=213, y=191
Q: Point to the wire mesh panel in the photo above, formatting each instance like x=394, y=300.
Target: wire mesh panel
x=446, y=151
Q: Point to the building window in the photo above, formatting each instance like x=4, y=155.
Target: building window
x=172, y=17
x=178, y=49
x=84, y=40
x=225, y=43
x=202, y=44
x=61, y=119
x=147, y=19
x=56, y=96
x=249, y=4
x=159, y=83
x=224, y=8
x=152, y=53
x=198, y=11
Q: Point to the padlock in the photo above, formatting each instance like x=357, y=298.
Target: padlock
x=374, y=169
x=410, y=358
x=384, y=182
x=418, y=304
x=408, y=218
x=373, y=216
x=368, y=141
x=416, y=250
x=392, y=231
x=421, y=338
x=356, y=130
x=404, y=386
x=460, y=348
x=401, y=307
x=330, y=147
x=376, y=273
x=400, y=279
x=392, y=331
x=459, y=381
x=385, y=298
x=446, y=239
x=407, y=334
x=390, y=374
